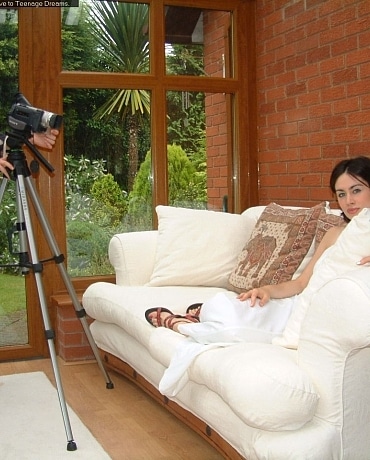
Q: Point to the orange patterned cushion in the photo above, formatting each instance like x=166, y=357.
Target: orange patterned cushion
x=277, y=246
x=325, y=222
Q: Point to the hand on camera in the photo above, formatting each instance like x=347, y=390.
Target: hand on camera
x=45, y=140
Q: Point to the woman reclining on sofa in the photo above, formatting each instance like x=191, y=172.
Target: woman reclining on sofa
x=222, y=321
x=350, y=182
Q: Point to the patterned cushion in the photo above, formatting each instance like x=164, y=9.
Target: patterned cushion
x=325, y=222
x=277, y=246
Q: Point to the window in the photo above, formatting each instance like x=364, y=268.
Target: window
x=226, y=97
x=110, y=154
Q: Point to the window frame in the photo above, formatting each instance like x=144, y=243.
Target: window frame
x=42, y=80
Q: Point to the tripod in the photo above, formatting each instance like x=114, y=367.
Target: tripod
x=30, y=261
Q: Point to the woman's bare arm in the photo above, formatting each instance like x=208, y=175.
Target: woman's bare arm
x=292, y=287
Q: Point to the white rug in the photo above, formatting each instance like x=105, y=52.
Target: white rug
x=31, y=422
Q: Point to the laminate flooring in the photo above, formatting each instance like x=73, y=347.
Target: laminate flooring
x=125, y=420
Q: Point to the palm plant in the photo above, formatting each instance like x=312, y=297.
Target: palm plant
x=120, y=30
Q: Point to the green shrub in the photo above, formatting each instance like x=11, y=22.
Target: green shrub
x=109, y=203
x=187, y=182
x=87, y=248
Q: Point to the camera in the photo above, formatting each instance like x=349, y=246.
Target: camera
x=24, y=117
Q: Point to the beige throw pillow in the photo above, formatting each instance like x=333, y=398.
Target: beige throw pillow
x=197, y=247
x=277, y=246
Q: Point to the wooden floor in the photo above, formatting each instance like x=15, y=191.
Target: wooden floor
x=127, y=422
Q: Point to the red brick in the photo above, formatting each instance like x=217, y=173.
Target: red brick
x=295, y=62
x=334, y=93
x=294, y=10
x=294, y=89
x=289, y=155
x=333, y=122
x=357, y=57
x=276, y=143
x=345, y=75
x=347, y=135
x=346, y=105
x=310, y=152
x=334, y=151
x=308, y=71
x=298, y=141
x=366, y=133
x=343, y=46
x=288, y=129
x=309, y=99
x=76, y=353
x=321, y=138
x=332, y=64
x=359, y=118
x=286, y=104
x=309, y=126
x=318, y=54
x=289, y=180
x=359, y=148
x=295, y=115
x=358, y=88
x=346, y=15
x=310, y=180
x=316, y=83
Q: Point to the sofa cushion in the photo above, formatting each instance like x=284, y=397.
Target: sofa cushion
x=352, y=244
x=262, y=384
x=197, y=247
x=277, y=246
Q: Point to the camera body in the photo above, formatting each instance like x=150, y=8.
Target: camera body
x=24, y=118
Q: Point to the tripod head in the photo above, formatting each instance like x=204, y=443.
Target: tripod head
x=24, y=119
x=16, y=140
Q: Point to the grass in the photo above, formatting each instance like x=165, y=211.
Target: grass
x=12, y=293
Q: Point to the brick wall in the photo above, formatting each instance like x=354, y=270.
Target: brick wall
x=313, y=77
x=216, y=29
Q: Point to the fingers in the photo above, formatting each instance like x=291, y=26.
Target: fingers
x=364, y=260
x=47, y=139
x=253, y=295
x=5, y=164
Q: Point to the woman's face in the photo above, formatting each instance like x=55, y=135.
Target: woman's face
x=352, y=194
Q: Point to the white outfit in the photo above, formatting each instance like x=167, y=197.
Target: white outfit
x=224, y=321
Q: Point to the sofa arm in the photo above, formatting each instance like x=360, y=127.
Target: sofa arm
x=132, y=256
x=334, y=350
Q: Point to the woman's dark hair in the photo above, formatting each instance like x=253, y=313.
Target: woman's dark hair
x=358, y=167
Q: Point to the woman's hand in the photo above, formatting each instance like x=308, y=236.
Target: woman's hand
x=5, y=164
x=45, y=140
x=364, y=260
x=257, y=293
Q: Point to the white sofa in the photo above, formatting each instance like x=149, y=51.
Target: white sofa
x=250, y=400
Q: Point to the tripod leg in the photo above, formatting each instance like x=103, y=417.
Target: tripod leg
x=4, y=183
x=59, y=258
x=49, y=333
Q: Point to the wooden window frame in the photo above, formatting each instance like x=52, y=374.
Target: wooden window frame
x=42, y=80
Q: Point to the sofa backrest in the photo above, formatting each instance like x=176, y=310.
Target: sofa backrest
x=133, y=254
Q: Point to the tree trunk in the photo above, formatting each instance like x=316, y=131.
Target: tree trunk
x=133, y=150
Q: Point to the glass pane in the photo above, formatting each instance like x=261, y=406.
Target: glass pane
x=197, y=42
x=107, y=144
x=106, y=36
x=197, y=152
x=13, y=312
